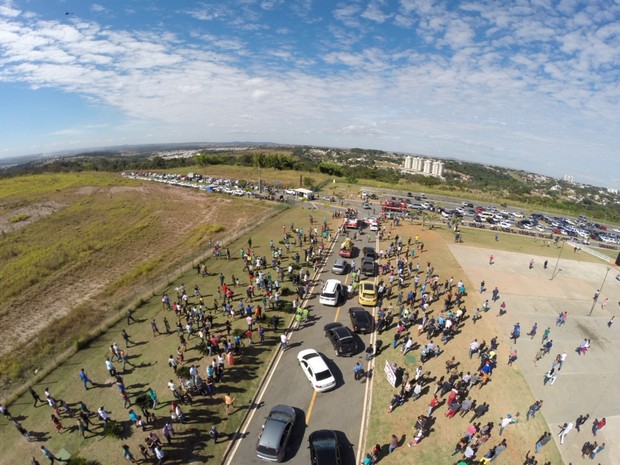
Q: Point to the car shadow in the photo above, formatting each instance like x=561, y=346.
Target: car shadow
x=297, y=435
x=333, y=367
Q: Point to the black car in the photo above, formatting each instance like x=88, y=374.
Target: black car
x=370, y=252
x=360, y=320
x=324, y=448
x=368, y=266
x=342, y=339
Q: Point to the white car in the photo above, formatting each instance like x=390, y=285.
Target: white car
x=317, y=371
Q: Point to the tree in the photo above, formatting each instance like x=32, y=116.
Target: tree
x=309, y=182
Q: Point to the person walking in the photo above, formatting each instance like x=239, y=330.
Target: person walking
x=127, y=454
x=130, y=317
x=45, y=451
x=581, y=420
x=544, y=439
x=532, y=332
x=214, y=434
x=545, y=335
x=564, y=430
x=153, y=395
x=85, y=379
x=35, y=396
x=598, y=424
x=393, y=444
x=598, y=450
x=611, y=321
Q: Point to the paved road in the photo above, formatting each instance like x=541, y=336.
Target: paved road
x=339, y=409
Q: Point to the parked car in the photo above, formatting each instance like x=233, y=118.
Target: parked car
x=341, y=338
x=316, y=370
x=276, y=433
x=340, y=266
x=366, y=206
x=361, y=320
x=367, y=293
x=333, y=291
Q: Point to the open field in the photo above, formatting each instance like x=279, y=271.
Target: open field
x=102, y=242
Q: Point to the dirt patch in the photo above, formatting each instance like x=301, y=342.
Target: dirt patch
x=30, y=213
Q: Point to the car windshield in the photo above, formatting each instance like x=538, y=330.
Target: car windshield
x=324, y=444
x=323, y=375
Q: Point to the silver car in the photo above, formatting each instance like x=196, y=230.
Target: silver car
x=340, y=266
x=276, y=433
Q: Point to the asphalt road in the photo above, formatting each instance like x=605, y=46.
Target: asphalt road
x=340, y=409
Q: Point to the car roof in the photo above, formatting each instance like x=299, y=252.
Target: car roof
x=339, y=261
x=322, y=438
x=314, y=359
x=368, y=285
x=368, y=260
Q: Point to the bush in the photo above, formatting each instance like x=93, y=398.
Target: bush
x=114, y=429
x=19, y=217
x=183, y=372
x=77, y=460
x=238, y=332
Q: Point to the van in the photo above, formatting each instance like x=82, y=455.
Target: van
x=332, y=292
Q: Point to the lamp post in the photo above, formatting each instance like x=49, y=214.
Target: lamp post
x=557, y=262
x=598, y=294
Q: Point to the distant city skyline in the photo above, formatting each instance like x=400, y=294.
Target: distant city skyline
x=524, y=85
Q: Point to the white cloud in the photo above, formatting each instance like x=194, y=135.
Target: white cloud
x=480, y=80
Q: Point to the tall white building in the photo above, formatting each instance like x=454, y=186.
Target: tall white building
x=425, y=166
x=437, y=169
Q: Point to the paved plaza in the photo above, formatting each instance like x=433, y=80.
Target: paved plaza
x=586, y=383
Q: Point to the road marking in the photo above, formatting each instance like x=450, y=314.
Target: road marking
x=309, y=410
x=338, y=309
x=369, y=385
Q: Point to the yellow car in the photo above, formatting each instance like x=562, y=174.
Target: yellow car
x=367, y=293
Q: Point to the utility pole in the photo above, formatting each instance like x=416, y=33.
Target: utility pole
x=598, y=293
x=557, y=261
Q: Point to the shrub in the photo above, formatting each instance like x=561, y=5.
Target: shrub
x=19, y=217
x=114, y=429
x=183, y=372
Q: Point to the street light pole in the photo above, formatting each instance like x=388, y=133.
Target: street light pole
x=557, y=262
x=594, y=301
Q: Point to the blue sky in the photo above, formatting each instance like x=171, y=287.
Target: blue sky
x=525, y=84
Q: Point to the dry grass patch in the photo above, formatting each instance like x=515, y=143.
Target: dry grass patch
x=506, y=393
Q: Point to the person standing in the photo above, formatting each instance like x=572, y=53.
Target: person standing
x=491, y=260
x=229, y=401
x=611, y=321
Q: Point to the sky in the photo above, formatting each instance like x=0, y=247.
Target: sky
x=533, y=85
